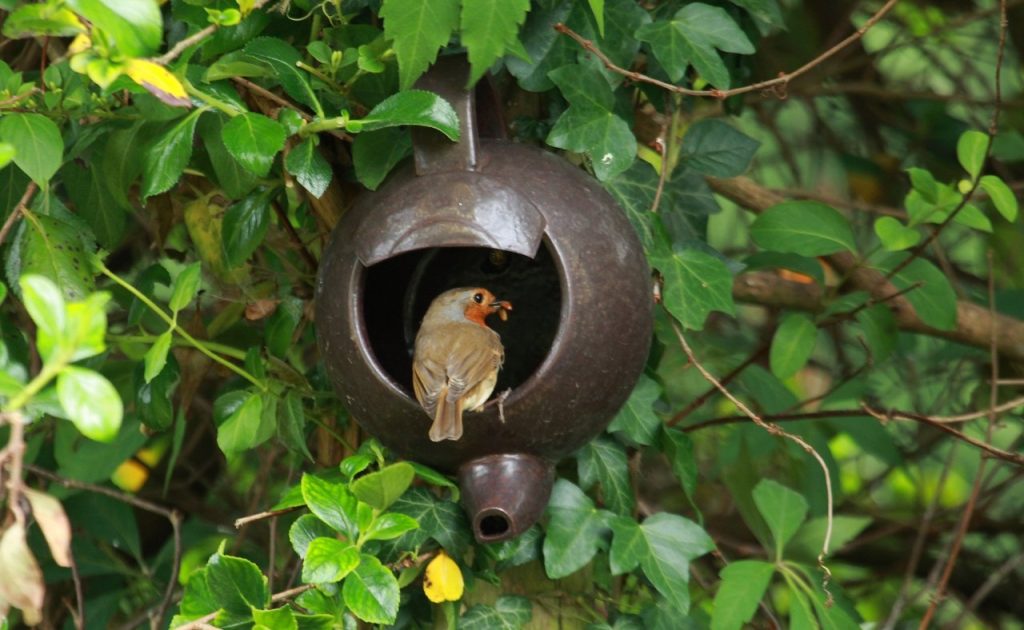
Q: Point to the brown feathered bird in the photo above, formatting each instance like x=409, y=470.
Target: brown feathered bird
x=457, y=357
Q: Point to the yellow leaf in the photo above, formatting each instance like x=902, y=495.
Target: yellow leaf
x=130, y=476
x=79, y=43
x=443, y=580
x=159, y=81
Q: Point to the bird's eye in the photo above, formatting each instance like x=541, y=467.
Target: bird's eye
x=478, y=298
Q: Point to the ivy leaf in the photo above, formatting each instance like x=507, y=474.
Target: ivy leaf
x=894, y=235
x=545, y=48
x=574, y=530
x=254, y=140
x=663, y=546
x=934, y=299
x=444, y=521
x=678, y=448
x=792, y=345
x=418, y=29
x=381, y=488
x=1001, y=195
x=589, y=125
x=329, y=560
x=305, y=530
x=488, y=29
x=970, y=151
x=156, y=356
x=282, y=58
x=332, y=502
x=691, y=37
x=375, y=153
x=636, y=419
x=765, y=11
x=604, y=461
x=509, y=612
x=164, y=161
x=90, y=402
x=245, y=226
x=696, y=283
x=38, y=147
x=808, y=228
x=714, y=147
x=744, y=583
x=634, y=190
x=309, y=167
x=410, y=107
x=371, y=592
x=783, y=510
x=237, y=584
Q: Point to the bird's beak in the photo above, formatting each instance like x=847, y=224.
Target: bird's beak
x=502, y=307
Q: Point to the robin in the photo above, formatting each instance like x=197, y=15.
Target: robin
x=457, y=357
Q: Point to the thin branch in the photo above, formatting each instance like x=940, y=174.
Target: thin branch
x=988, y=586
x=203, y=622
x=196, y=38
x=699, y=401
x=18, y=209
x=776, y=85
x=252, y=518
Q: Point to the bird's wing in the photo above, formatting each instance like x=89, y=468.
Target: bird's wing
x=476, y=354
x=428, y=382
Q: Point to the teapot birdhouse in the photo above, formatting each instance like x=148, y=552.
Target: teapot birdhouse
x=534, y=230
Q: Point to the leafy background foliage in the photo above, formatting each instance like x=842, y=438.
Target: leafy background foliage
x=845, y=239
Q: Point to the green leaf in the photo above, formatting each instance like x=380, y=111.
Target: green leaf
x=678, y=448
x=242, y=429
x=691, y=37
x=44, y=18
x=332, y=502
x=89, y=189
x=636, y=419
x=714, y=147
x=970, y=151
x=766, y=11
x=792, y=345
x=696, y=283
x=806, y=544
x=390, y=525
x=597, y=8
x=38, y=147
x=509, y=612
x=309, y=167
x=375, y=153
x=744, y=583
x=444, y=521
x=1001, y=195
x=291, y=427
x=134, y=28
x=305, y=530
x=410, y=107
x=894, y=235
x=185, y=287
x=165, y=160
x=809, y=267
x=55, y=249
x=245, y=225
x=381, y=488
x=236, y=180
x=275, y=619
x=282, y=58
x=603, y=461
x=371, y=592
x=156, y=356
x=90, y=402
x=933, y=298
x=573, y=532
x=808, y=228
x=45, y=305
x=418, y=29
x=878, y=325
x=663, y=546
x=634, y=190
x=545, y=48
x=254, y=140
x=329, y=560
x=783, y=510
x=489, y=28
x=237, y=584
x=7, y=153
x=589, y=125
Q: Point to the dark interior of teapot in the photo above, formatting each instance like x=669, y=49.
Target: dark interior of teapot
x=398, y=291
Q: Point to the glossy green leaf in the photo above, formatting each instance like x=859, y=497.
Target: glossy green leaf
x=418, y=30
x=783, y=510
x=410, y=107
x=237, y=584
x=488, y=29
x=52, y=248
x=90, y=402
x=808, y=228
x=42, y=19
x=970, y=151
x=282, y=58
x=156, y=356
x=574, y=530
x=7, y=153
x=38, y=147
x=90, y=190
x=45, y=305
x=165, y=160
x=691, y=37
x=275, y=619
x=242, y=429
x=371, y=592
x=329, y=560
x=696, y=283
x=309, y=167
x=291, y=426
x=894, y=235
x=932, y=296
x=375, y=153
x=154, y=401
x=390, y=525
x=637, y=419
x=186, y=286
x=509, y=612
x=603, y=460
x=254, y=140
x=792, y=345
x=236, y=180
x=245, y=225
x=806, y=543
x=634, y=190
x=381, y=488
x=332, y=502
x=744, y=583
x=1001, y=195
x=714, y=147
x=305, y=530
x=133, y=27
x=444, y=521
x=545, y=48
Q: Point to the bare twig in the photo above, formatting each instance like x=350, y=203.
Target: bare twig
x=776, y=85
x=988, y=586
x=252, y=518
x=697, y=402
x=15, y=214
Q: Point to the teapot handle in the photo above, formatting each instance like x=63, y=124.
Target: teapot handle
x=434, y=152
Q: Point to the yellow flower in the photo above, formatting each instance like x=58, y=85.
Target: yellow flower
x=443, y=580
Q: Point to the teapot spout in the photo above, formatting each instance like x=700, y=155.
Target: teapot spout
x=505, y=494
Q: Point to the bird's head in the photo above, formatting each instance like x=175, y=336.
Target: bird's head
x=474, y=304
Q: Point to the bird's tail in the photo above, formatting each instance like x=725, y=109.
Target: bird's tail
x=447, y=419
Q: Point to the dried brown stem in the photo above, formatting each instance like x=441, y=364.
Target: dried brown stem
x=15, y=214
x=252, y=518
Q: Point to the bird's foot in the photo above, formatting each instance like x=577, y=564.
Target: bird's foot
x=500, y=401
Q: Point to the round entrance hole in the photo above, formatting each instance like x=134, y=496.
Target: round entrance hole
x=398, y=291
